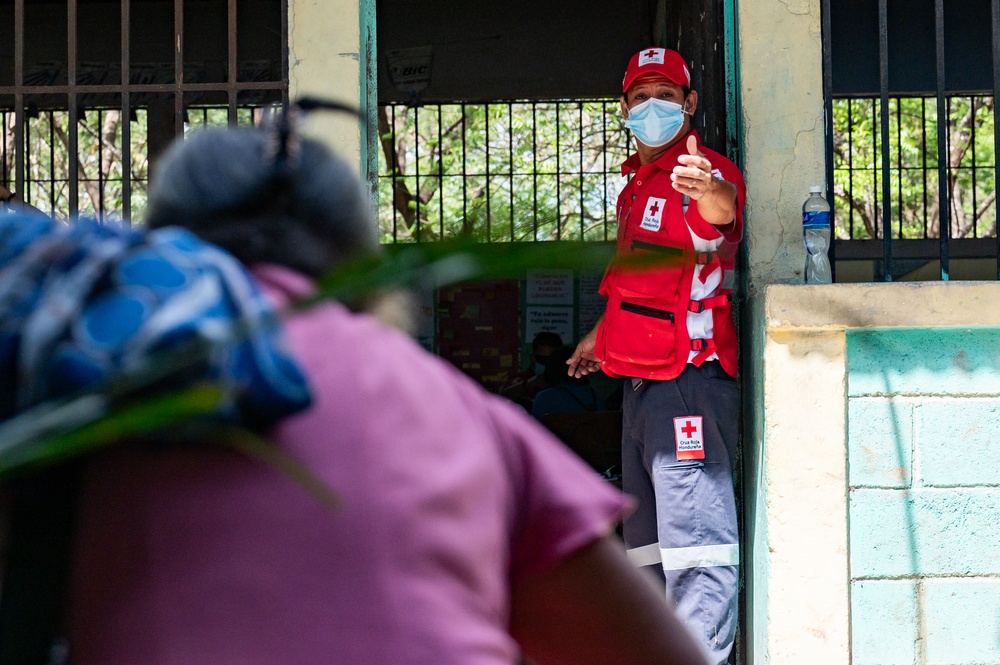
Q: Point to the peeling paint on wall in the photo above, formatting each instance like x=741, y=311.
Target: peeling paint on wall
x=781, y=64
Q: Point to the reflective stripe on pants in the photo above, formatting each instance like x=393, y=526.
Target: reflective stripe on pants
x=679, y=558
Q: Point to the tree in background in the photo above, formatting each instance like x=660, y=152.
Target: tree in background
x=99, y=160
x=913, y=163
x=100, y=157
x=549, y=170
x=500, y=171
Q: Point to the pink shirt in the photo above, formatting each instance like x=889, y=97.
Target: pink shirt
x=190, y=556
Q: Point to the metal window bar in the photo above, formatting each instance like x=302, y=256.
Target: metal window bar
x=969, y=180
x=510, y=161
x=995, y=13
x=19, y=160
x=949, y=158
x=100, y=168
x=516, y=146
x=416, y=169
x=233, y=68
x=923, y=158
x=126, y=91
x=73, y=124
x=178, y=43
x=850, y=167
x=883, y=81
x=899, y=165
x=604, y=159
x=879, y=195
x=465, y=190
x=394, y=170
x=440, y=174
x=944, y=225
x=972, y=150
x=583, y=216
x=489, y=208
x=52, y=156
x=126, y=108
x=559, y=226
x=534, y=173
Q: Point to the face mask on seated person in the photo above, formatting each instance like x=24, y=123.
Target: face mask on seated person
x=655, y=122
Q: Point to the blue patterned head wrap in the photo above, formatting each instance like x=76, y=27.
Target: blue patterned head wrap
x=85, y=303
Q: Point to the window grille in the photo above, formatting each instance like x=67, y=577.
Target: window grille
x=912, y=176
x=913, y=168
x=128, y=75
x=501, y=171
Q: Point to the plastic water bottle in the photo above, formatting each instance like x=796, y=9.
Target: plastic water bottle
x=816, y=235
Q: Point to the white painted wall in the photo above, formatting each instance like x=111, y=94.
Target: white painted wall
x=325, y=60
x=782, y=97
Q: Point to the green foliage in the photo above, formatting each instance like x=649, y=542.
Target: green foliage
x=501, y=172
x=85, y=423
x=912, y=153
x=101, y=160
x=427, y=266
x=126, y=407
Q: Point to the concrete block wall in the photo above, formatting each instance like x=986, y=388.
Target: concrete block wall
x=923, y=429
x=873, y=475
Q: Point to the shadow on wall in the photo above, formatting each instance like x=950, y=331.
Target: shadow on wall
x=923, y=433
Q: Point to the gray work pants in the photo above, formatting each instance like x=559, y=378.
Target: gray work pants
x=684, y=525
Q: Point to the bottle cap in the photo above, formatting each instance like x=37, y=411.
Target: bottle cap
x=816, y=189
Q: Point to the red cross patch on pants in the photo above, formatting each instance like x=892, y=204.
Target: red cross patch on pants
x=688, y=433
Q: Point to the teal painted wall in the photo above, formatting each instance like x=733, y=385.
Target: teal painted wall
x=755, y=569
x=368, y=102
x=924, y=472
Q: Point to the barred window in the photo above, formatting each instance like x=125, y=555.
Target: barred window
x=501, y=171
x=100, y=159
x=911, y=137
x=913, y=168
x=72, y=73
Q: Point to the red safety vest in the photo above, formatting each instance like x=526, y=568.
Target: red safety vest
x=644, y=332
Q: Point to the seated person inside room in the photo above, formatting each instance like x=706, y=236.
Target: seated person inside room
x=523, y=387
x=566, y=394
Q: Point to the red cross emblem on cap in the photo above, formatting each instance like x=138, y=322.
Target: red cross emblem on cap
x=653, y=56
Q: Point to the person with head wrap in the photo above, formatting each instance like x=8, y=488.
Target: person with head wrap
x=94, y=319
x=464, y=533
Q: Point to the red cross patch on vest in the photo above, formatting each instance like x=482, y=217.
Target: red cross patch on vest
x=652, y=217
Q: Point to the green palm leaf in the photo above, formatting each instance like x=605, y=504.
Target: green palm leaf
x=112, y=412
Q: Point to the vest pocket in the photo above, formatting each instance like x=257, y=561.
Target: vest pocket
x=647, y=311
x=643, y=333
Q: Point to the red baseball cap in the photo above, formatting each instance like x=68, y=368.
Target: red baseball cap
x=662, y=61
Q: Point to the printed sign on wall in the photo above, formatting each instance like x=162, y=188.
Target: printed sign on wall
x=591, y=302
x=549, y=287
x=549, y=319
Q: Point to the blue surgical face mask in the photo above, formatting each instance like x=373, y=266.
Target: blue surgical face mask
x=655, y=122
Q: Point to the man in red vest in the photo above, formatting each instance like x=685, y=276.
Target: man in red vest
x=668, y=328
